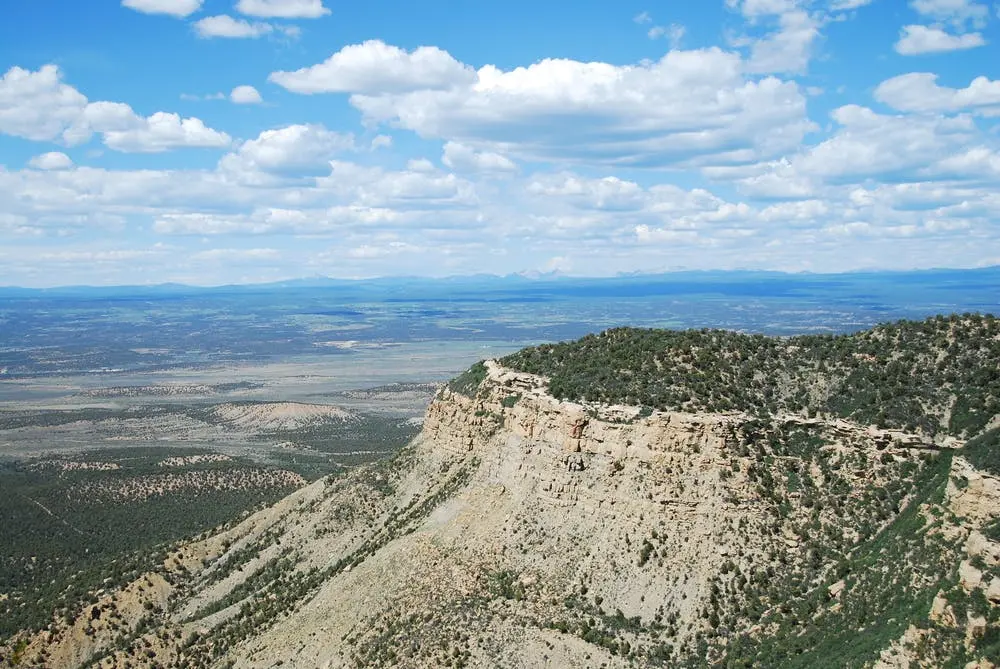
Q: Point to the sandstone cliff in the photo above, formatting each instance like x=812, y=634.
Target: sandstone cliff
x=522, y=531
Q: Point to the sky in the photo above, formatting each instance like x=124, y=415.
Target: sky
x=238, y=141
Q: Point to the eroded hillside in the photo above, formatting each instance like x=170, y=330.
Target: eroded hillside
x=522, y=530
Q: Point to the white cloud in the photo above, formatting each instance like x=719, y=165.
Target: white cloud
x=193, y=194
x=90, y=191
x=870, y=144
x=687, y=108
x=462, y=158
x=245, y=95
x=846, y=5
x=919, y=92
x=197, y=98
x=979, y=163
x=915, y=40
x=163, y=131
x=101, y=117
x=272, y=220
x=97, y=256
x=18, y=225
x=917, y=186
x=753, y=9
x=956, y=11
x=391, y=248
x=773, y=185
x=942, y=153
x=54, y=160
x=375, y=67
x=799, y=214
x=178, y=8
x=445, y=222
x=789, y=46
x=39, y=106
x=420, y=165
x=674, y=33
x=648, y=235
x=285, y=9
x=235, y=255
x=378, y=188
x=227, y=26
x=788, y=49
x=604, y=194
x=294, y=150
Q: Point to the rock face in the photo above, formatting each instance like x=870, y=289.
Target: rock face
x=521, y=531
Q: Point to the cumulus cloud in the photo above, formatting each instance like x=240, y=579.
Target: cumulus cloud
x=245, y=95
x=286, y=9
x=617, y=223
x=178, y=8
x=605, y=194
x=920, y=92
x=943, y=154
x=978, y=163
x=789, y=38
x=915, y=40
x=295, y=150
x=91, y=191
x=891, y=146
x=163, y=131
x=39, y=106
x=375, y=67
x=788, y=49
x=689, y=107
x=916, y=185
x=379, y=188
x=463, y=158
x=54, y=160
x=227, y=26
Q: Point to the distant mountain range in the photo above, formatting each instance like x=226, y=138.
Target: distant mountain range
x=479, y=286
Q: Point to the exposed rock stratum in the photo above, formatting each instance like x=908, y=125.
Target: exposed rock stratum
x=523, y=531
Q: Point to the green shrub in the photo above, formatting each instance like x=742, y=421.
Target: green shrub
x=468, y=382
x=984, y=451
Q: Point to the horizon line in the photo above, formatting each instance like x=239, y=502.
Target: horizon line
x=524, y=275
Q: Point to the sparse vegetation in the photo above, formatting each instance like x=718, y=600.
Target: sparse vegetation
x=777, y=537
x=469, y=381
x=984, y=451
x=68, y=535
x=940, y=375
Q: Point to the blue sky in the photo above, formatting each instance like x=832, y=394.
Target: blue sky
x=222, y=141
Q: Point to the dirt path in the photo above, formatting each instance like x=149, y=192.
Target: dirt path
x=59, y=518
